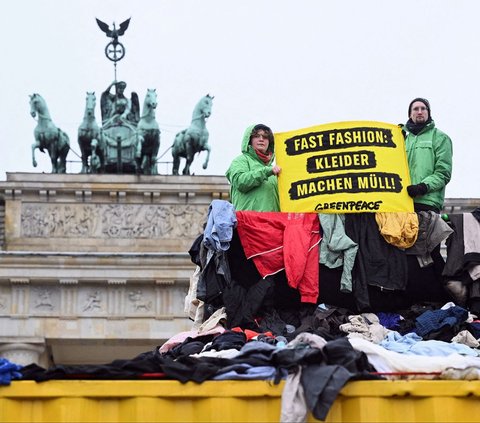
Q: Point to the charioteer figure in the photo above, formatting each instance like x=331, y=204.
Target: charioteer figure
x=117, y=108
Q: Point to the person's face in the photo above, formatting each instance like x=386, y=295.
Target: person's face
x=419, y=112
x=259, y=140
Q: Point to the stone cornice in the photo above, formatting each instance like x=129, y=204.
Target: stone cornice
x=84, y=186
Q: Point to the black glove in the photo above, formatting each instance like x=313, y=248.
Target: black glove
x=417, y=190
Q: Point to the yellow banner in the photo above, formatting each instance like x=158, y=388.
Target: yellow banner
x=343, y=167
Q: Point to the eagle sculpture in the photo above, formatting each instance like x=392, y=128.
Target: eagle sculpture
x=113, y=33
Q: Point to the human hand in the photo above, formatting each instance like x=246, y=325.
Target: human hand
x=417, y=190
x=276, y=170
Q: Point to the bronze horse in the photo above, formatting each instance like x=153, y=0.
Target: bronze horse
x=48, y=136
x=148, y=133
x=194, y=139
x=90, y=139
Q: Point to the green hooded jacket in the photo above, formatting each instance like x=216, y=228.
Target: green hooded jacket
x=429, y=155
x=253, y=186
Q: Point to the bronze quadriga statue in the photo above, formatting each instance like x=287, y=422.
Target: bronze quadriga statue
x=125, y=142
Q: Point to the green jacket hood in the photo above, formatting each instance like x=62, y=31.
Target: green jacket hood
x=246, y=147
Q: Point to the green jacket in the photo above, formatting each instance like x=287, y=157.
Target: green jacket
x=429, y=155
x=253, y=186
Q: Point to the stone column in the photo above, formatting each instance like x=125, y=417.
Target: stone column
x=22, y=351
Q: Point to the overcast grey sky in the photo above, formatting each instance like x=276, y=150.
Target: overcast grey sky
x=288, y=64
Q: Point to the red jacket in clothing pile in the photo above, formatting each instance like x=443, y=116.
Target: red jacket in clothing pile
x=277, y=241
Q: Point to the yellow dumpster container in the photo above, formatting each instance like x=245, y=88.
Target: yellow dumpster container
x=231, y=401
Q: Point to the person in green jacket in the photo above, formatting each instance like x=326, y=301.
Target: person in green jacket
x=253, y=175
x=429, y=155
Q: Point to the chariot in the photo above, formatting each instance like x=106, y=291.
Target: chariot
x=120, y=141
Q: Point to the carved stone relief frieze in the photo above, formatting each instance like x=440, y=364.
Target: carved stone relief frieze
x=112, y=300
x=138, y=301
x=3, y=302
x=129, y=221
x=44, y=300
x=92, y=301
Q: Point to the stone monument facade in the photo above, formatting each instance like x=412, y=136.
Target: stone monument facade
x=96, y=267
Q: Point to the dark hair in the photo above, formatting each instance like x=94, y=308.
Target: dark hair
x=262, y=127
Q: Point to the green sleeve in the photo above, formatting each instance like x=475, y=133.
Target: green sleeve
x=442, y=172
x=245, y=176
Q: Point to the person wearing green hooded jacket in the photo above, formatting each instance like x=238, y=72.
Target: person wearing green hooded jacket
x=253, y=175
x=429, y=155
